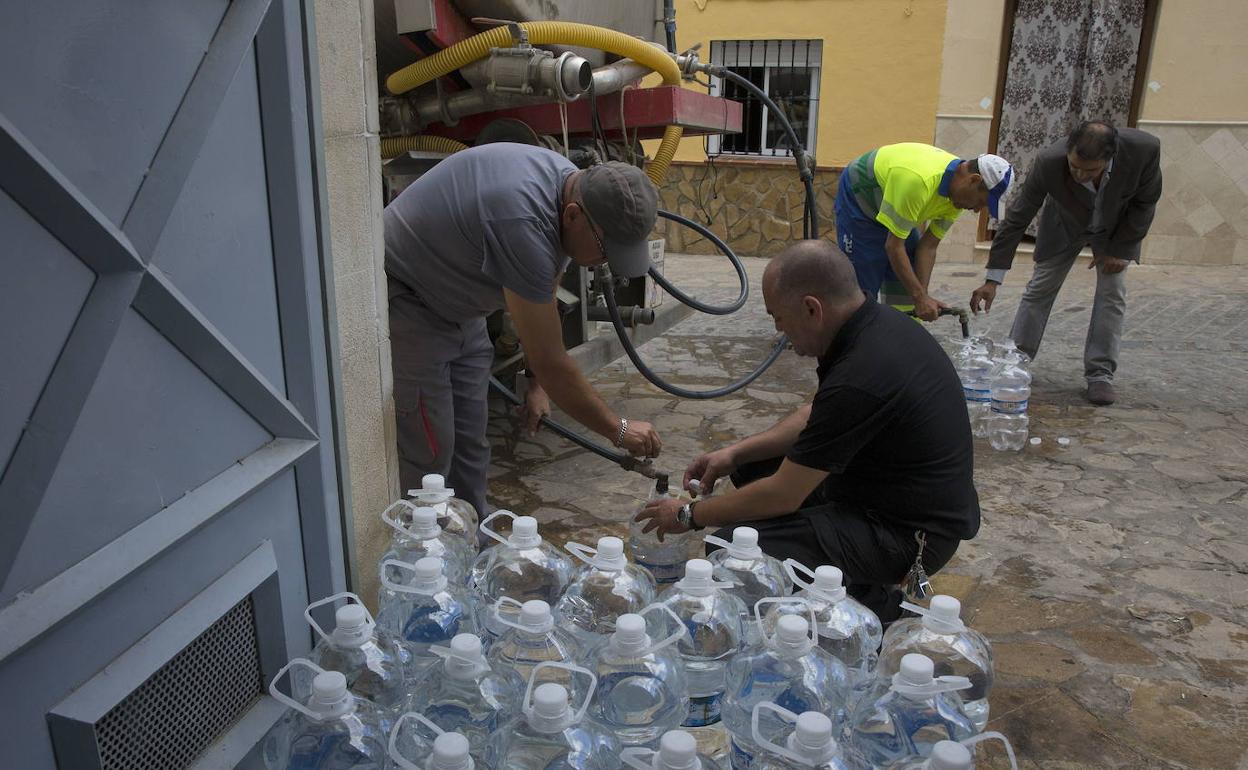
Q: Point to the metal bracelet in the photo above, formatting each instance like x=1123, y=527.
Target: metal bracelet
x=619, y=439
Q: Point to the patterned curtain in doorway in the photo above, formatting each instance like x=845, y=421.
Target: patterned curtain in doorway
x=1070, y=60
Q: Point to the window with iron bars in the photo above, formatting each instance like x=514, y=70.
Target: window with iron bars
x=788, y=72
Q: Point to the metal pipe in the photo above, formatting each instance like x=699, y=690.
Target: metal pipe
x=637, y=315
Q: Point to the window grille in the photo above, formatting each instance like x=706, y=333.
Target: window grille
x=788, y=71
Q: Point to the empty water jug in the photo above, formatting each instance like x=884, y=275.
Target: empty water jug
x=1011, y=390
x=550, y=734
x=678, y=750
x=953, y=648
x=420, y=537
x=951, y=755
x=463, y=693
x=604, y=589
x=424, y=608
x=455, y=516
x=663, y=559
x=910, y=713
x=791, y=671
x=846, y=628
x=332, y=730
x=641, y=690
x=715, y=620
x=756, y=575
x=375, y=663
x=533, y=638
x=811, y=744
x=974, y=366
x=521, y=566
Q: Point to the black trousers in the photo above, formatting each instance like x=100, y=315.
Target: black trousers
x=873, y=554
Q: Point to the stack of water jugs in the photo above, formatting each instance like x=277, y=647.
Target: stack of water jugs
x=515, y=658
x=996, y=380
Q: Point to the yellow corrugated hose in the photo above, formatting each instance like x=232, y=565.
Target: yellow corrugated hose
x=397, y=145
x=551, y=33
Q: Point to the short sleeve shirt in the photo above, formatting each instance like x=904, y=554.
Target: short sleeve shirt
x=480, y=221
x=903, y=186
x=889, y=425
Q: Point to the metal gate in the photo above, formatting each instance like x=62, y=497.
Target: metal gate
x=170, y=488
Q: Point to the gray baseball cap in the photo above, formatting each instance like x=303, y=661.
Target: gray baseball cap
x=621, y=200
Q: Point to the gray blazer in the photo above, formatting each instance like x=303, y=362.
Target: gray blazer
x=1130, y=198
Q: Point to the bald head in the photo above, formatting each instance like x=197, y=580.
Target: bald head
x=814, y=268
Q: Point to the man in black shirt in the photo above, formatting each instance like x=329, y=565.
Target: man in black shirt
x=880, y=459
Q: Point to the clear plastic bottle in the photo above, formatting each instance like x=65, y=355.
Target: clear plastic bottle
x=375, y=663
x=604, y=589
x=716, y=625
x=846, y=628
x=909, y=714
x=952, y=755
x=521, y=566
x=678, y=750
x=641, y=690
x=465, y=694
x=812, y=744
x=974, y=365
x=664, y=560
x=455, y=516
x=550, y=735
x=424, y=608
x=532, y=639
x=791, y=671
x=953, y=648
x=409, y=749
x=1011, y=390
x=755, y=574
x=332, y=730
x=420, y=537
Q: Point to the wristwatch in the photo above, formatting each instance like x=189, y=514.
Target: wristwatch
x=685, y=516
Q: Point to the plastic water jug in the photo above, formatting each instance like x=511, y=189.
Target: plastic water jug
x=604, y=589
x=756, y=575
x=455, y=516
x=953, y=648
x=641, y=690
x=332, y=730
x=424, y=608
x=521, y=566
x=374, y=662
x=534, y=638
x=846, y=628
x=974, y=366
x=550, y=734
x=812, y=743
x=420, y=537
x=408, y=750
x=678, y=750
x=951, y=755
x=664, y=559
x=910, y=713
x=1011, y=390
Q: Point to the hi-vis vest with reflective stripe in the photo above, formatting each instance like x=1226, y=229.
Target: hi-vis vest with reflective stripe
x=898, y=186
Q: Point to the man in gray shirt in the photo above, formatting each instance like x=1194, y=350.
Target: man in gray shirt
x=1101, y=186
x=490, y=228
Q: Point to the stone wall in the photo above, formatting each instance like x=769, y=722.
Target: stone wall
x=756, y=206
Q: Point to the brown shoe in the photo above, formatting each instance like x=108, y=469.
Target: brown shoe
x=1101, y=393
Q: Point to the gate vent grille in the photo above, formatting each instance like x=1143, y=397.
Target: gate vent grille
x=181, y=709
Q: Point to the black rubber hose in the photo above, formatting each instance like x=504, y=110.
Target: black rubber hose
x=619, y=458
x=669, y=24
x=702, y=307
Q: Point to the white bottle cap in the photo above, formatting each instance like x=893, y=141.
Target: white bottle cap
x=792, y=629
x=745, y=541
x=466, y=645
x=550, y=701
x=814, y=731
x=450, y=752
x=329, y=695
x=916, y=669
x=695, y=486
x=424, y=523
x=942, y=612
x=678, y=750
x=428, y=574
x=351, y=626
x=466, y=659
x=630, y=632
x=949, y=755
x=610, y=549
x=828, y=578
x=432, y=482
x=524, y=532
x=698, y=579
x=535, y=616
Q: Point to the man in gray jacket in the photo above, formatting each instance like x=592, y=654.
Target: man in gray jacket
x=1102, y=185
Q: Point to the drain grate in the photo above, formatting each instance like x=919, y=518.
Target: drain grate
x=181, y=709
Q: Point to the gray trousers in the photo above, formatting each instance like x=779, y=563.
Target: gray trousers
x=441, y=382
x=1100, y=348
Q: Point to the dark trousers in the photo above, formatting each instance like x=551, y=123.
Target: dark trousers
x=873, y=554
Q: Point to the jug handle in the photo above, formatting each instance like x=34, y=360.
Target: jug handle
x=286, y=700
x=758, y=735
x=490, y=532
x=307, y=614
x=993, y=735
x=393, y=749
x=639, y=757
x=527, y=706
x=810, y=611
x=683, y=629
x=391, y=520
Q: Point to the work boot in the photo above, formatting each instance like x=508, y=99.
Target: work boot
x=1101, y=393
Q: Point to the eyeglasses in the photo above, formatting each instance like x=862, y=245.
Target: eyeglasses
x=602, y=249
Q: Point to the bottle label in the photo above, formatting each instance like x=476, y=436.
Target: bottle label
x=1010, y=407
x=663, y=573
x=741, y=759
x=977, y=395
x=704, y=711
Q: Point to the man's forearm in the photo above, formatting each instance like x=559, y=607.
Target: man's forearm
x=900, y=262
x=773, y=442
x=563, y=381
x=924, y=261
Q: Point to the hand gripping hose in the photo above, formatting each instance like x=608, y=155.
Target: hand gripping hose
x=549, y=33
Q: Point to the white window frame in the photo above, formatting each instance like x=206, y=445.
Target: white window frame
x=775, y=54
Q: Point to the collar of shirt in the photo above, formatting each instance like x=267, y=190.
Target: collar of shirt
x=1109, y=167
x=845, y=336
x=947, y=177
